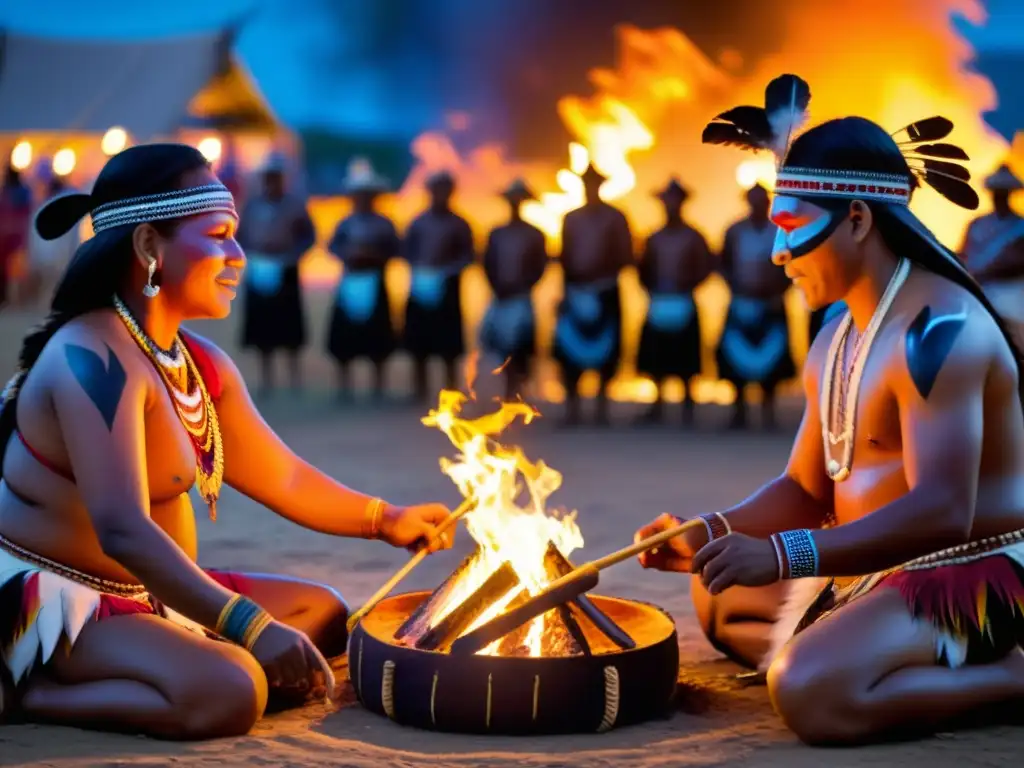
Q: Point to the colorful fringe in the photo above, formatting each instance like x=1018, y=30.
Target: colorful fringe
x=41, y=610
x=979, y=603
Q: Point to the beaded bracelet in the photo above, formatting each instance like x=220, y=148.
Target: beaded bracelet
x=372, y=517
x=242, y=622
x=801, y=553
x=716, y=524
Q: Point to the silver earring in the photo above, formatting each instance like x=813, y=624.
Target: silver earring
x=149, y=290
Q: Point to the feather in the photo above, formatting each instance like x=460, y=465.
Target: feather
x=930, y=129
x=948, y=151
x=800, y=595
x=954, y=189
x=786, y=100
x=952, y=170
x=731, y=136
x=753, y=120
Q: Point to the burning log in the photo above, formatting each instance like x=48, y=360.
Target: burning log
x=497, y=586
x=565, y=612
x=558, y=565
x=564, y=590
x=417, y=623
x=562, y=636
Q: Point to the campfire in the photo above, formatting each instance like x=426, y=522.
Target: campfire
x=503, y=618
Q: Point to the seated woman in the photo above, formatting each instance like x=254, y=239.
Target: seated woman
x=115, y=413
x=879, y=579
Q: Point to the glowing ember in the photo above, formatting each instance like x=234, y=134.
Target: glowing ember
x=511, y=522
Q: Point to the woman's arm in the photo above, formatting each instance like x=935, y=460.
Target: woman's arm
x=100, y=395
x=259, y=464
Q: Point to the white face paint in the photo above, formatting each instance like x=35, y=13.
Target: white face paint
x=814, y=226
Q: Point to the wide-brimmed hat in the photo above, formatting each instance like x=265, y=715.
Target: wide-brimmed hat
x=361, y=177
x=518, y=191
x=439, y=179
x=1004, y=179
x=673, y=189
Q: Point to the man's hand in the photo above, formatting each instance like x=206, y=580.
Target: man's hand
x=675, y=554
x=416, y=527
x=734, y=560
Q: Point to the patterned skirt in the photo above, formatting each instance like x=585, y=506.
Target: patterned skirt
x=44, y=604
x=973, y=595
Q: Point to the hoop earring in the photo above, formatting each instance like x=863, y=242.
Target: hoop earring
x=149, y=290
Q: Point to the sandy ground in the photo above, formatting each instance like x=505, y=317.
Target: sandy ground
x=616, y=479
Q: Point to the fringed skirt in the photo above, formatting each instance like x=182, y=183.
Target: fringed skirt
x=360, y=324
x=754, y=348
x=508, y=330
x=973, y=595
x=670, y=340
x=44, y=605
x=433, y=316
x=588, y=329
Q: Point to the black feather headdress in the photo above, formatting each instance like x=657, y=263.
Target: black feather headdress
x=931, y=161
x=771, y=127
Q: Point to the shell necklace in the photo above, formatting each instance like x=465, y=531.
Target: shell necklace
x=838, y=392
x=192, y=403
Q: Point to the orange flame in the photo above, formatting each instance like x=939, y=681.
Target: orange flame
x=894, y=63
x=505, y=529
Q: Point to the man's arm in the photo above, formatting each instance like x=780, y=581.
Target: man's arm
x=100, y=408
x=259, y=464
x=940, y=394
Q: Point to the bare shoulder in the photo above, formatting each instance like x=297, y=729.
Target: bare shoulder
x=225, y=367
x=950, y=341
x=95, y=338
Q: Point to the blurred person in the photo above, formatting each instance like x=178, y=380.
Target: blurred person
x=364, y=241
x=878, y=580
x=275, y=231
x=596, y=247
x=514, y=262
x=15, y=219
x=754, y=347
x=115, y=414
x=675, y=261
x=47, y=259
x=438, y=246
x=993, y=250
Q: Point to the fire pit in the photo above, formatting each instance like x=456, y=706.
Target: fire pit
x=440, y=661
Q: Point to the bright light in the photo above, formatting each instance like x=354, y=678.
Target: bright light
x=64, y=161
x=21, y=156
x=751, y=172
x=114, y=141
x=211, y=148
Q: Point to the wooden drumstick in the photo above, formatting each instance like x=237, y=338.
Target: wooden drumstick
x=406, y=569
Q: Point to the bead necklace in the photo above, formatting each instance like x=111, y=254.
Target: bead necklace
x=192, y=403
x=838, y=392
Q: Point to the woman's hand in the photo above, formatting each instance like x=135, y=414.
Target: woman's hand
x=736, y=559
x=676, y=553
x=416, y=527
x=292, y=663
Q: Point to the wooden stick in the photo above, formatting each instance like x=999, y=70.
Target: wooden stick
x=406, y=569
x=419, y=620
x=582, y=579
x=560, y=591
x=497, y=586
x=560, y=565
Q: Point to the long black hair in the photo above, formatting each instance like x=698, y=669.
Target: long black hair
x=102, y=263
x=856, y=144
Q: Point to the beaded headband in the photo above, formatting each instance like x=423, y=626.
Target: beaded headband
x=209, y=198
x=821, y=182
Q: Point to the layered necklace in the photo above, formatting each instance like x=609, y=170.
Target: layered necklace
x=192, y=403
x=839, y=392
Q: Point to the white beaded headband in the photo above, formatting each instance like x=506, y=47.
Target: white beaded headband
x=167, y=205
x=820, y=182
